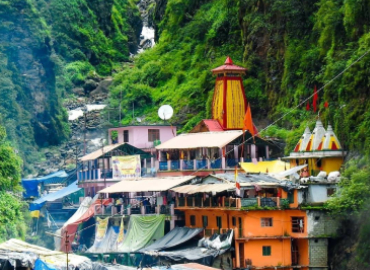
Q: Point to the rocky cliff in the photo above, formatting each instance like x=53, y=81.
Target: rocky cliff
x=49, y=48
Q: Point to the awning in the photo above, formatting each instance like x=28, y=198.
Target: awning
x=147, y=184
x=125, y=148
x=215, y=188
x=274, y=166
x=292, y=171
x=37, y=204
x=174, y=238
x=199, y=140
x=31, y=185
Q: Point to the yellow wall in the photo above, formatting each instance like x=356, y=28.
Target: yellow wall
x=235, y=104
x=327, y=164
x=218, y=101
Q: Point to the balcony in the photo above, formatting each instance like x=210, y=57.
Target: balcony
x=197, y=164
x=110, y=210
x=229, y=202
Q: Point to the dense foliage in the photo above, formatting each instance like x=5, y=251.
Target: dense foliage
x=11, y=208
x=288, y=47
x=48, y=47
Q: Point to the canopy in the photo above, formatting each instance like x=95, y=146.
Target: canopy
x=37, y=204
x=206, y=247
x=174, y=238
x=274, y=166
x=201, y=140
x=142, y=230
x=125, y=148
x=192, y=189
x=147, y=184
x=57, y=259
x=31, y=185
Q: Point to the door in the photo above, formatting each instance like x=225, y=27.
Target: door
x=295, y=253
x=241, y=255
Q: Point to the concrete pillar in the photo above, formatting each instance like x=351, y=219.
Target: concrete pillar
x=151, y=162
x=259, y=201
x=188, y=154
x=181, y=164
x=159, y=155
x=241, y=160
x=195, y=164
x=237, y=255
x=236, y=153
x=145, y=163
x=208, y=164
x=223, y=163
x=168, y=165
x=267, y=152
x=253, y=151
x=143, y=210
x=172, y=224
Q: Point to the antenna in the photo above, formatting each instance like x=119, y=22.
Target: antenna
x=165, y=112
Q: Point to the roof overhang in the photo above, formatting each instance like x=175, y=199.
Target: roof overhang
x=316, y=154
x=147, y=184
x=125, y=148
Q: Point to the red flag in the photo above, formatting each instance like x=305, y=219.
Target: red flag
x=326, y=104
x=248, y=122
x=308, y=106
x=315, y=98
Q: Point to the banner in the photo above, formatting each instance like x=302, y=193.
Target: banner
x=126, y=167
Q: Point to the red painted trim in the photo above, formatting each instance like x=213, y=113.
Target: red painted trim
x=224, y=107
x=245, y=98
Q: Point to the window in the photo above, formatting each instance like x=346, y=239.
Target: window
x=330, y=191
x=291, y=197
x=192, y=220
x=298, y=224
x=266, y=250
x=125, y=136
x=266, y=222
x=234, y=221
x=205, y=221
x=153, y=135
x=219, y=222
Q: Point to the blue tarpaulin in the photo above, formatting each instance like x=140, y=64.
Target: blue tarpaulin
x=37, y=204
x=41, y=265
x=31, y=185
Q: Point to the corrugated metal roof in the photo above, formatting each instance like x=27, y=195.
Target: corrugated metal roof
x=100, y=152
x=147, y=184
x=202, y=139
x=192, y=189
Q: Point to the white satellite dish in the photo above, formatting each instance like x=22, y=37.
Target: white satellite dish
x=138, y=119
x=165, y=112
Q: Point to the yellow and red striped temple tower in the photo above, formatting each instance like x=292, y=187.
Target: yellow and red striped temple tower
x=229, y=101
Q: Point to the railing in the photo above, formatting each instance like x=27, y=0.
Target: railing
x=210, y=232
x=199, y=202
x=93, y=174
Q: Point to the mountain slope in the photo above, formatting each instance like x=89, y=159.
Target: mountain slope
x=288, y=47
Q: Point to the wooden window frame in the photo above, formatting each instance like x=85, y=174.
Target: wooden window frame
x=296, y=228
x=193, y=221
x=154, y=135
x=267, y=222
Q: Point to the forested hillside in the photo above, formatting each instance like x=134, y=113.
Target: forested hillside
x=49, y=47
x=288, y=47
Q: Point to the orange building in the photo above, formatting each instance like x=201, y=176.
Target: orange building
x=271, y=229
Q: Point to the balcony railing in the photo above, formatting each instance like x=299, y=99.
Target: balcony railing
x=239, y=203
x=197, y=164
x=95, y=174
x=111, y=210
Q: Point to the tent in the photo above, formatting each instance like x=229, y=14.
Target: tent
x=39, y=203
x=203, y=249
x=143, y=230
x=31, y=185
x=174, y=238
x=27, y=255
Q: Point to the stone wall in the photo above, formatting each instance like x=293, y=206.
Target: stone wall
x=318, y=253
x=321, y=225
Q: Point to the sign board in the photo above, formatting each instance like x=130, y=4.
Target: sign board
x=126, y=167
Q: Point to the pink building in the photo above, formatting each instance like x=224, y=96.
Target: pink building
x=145, y=137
